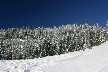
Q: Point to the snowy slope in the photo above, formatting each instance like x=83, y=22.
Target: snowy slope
x=91, y=60
x=95, y=61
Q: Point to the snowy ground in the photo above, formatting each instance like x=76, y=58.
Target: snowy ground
x=93, y=60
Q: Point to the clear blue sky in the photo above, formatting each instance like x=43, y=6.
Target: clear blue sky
x=49, y=13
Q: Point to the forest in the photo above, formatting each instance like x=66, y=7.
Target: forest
x=29, y=43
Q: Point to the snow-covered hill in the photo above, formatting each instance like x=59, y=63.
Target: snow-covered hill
x=90, y=60
x=95, y=61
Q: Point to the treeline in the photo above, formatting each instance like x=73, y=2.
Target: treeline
x=28, y=43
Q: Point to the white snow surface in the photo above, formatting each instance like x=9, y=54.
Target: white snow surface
x=90, y=60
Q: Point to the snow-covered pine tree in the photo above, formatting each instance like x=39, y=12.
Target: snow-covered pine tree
x=27, y=43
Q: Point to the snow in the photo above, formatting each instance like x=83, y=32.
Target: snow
x=95, y=61
x=90, y=60
x=21, y=40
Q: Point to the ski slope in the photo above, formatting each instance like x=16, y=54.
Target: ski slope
x=95, y=61
x=90, y=60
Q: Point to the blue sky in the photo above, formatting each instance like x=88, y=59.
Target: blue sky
x=49, y=13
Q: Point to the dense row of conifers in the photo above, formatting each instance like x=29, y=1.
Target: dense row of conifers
x=28, y=43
